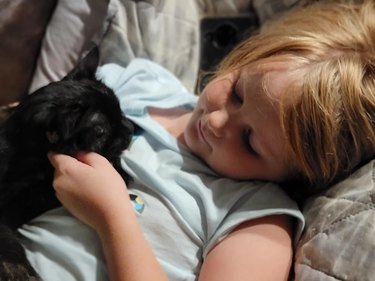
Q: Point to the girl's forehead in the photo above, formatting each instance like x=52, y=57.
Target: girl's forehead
x=274, y=75
x=282, y=63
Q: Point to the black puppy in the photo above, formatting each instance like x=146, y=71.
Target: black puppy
x=79, y=113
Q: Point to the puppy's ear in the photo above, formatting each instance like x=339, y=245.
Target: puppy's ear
x=86, y=67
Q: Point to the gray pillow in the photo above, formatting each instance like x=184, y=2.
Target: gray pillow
x=339, y=238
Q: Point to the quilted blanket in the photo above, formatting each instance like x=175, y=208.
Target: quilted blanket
x=339, y=239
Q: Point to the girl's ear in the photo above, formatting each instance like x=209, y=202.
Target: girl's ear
x=86, y=67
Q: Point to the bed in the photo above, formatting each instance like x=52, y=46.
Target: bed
x=338, y=242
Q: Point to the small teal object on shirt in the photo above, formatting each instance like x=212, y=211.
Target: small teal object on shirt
x=138, y=203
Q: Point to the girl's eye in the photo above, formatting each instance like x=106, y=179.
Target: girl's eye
x=247, y=143
x=235, y=96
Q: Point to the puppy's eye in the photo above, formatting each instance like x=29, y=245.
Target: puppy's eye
x=99, y=131
x=52, y=136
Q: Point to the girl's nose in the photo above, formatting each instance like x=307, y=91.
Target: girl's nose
x=217, y=121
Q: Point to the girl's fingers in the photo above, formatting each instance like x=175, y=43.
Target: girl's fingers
x=92, y=159
x=57, y=159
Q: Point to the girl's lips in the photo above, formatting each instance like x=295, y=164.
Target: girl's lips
x=201, y=132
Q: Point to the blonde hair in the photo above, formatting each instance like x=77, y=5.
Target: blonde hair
x=330, y=126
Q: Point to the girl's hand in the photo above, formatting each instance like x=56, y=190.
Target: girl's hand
x=89, y=187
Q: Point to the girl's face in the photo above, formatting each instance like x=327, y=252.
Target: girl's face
x=236, y=125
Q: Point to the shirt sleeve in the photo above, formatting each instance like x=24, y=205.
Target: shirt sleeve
x=254, y=200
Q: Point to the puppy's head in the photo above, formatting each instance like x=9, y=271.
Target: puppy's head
x=79, y=113
x=94, y=123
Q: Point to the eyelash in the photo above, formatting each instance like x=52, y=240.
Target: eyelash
x=237, y=98
x=246, y=134
x=246, y=141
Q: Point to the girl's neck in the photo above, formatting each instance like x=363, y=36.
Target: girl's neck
x=174, y=120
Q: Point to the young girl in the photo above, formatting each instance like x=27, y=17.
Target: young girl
x=294, y=103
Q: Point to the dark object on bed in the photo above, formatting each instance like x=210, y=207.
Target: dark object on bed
x=78, y=113
x=14, y=265
x=219, y=35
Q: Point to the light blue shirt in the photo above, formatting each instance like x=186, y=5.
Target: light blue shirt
x=183, y=207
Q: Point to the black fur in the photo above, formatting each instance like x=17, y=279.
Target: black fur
x=78, y=113
x=14, y=265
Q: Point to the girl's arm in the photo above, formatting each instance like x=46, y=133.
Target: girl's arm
x=94, y=192
x=259, y=250
x=91, y=189
x=127, y=253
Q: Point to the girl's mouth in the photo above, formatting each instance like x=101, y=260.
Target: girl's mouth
x=201, y=132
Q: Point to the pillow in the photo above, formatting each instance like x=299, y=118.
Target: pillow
x=163, y=31
x=73, y=28
x=166, y=32
x=339, y=238
x=22, y=26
